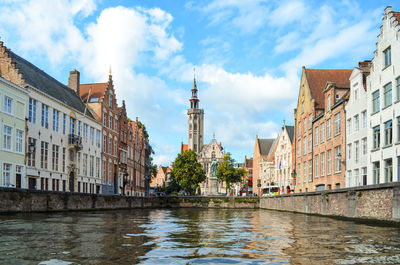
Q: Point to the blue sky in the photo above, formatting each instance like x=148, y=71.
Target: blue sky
x=247, y=54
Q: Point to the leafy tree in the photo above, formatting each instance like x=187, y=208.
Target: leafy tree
x=228, y=173
x=153, y=170
x=188, y=172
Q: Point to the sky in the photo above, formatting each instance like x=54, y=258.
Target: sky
x=247, y=57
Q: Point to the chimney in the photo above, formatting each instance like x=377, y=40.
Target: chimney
x=74, y=81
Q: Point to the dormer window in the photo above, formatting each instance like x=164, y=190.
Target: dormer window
x=328, y=103
x=110, y=101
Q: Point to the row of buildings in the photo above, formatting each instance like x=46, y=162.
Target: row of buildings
x=346, y=129
x=71, y=138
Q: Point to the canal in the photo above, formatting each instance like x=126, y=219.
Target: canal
x=193, y=236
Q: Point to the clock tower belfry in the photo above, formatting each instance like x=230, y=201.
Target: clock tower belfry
x=196, y=122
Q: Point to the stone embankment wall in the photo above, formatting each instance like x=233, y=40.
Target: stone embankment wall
x=18, y=200
x=374, y=202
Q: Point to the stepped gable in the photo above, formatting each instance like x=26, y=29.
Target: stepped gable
x=40, y=80
x=97, y=90
x=317, y=79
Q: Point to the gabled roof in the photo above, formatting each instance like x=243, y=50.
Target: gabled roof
x=317, y=79
x=40, y=80
x=264, y=146
x=184, y=147
x=290, y=132
x=271, y=152
x=396, y=15
x=96, y=91
x=248, y=163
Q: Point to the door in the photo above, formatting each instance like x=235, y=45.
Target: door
x=71, y=181
x=32, y=184
x=18, y=180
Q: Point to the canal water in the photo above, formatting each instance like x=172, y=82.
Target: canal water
x=193, y=236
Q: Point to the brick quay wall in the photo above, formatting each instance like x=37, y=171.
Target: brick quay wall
x=373, y=202
x=19, y=200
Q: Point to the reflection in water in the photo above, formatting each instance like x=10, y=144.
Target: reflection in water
x=193, y=236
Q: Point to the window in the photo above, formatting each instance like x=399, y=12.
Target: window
x=32, y=156
x=316, y=166
x=104, y=143
x=357, y=177
x=44, y=154
x=54, y=163
x=388, y=133
x=91, y=166
x=329, y=162
x=7, y=104
x=375, y=172
x=322, y=132
x=63, y=162
x=398, y=129
x=388, y=170
x=337, y=159
x=305, y=145
x=56, y=117
x=110, y=120
x=85, y=132
x=349, y=151
x=349, y=126
x=299, y=148
x=310, y=171
x=388, y=57
x=45, y=116
x=115, y=147
x=299, y=129
x=84, y=164
x=97, y=167
x=105, y=118
x=364, y=146
x=356, y=151
x=110, y=145
x=375, y=102
x=310, y=143
x=316, y=135
x=78, y=162
x=364, y=176
x=387, y=90
x=356, y=123
x=299, y=173
x=103, y=166
x=110, y=101
x=19, y=141
x=71, y=125
x=7, y=175
x=305, y=172
x=310, y=121
x=32, y=110
x=348, y=181
x=397, y=88
x=377, y=137
x=337, y=124
x=115, y=125
x=91, y=135
x=64, y=122
x=7, y=137
x=322, y=164
x=109, y=172
x=98, y=138
x=364, y=119
x=328, y=129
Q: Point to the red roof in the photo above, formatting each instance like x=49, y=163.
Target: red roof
x=317, y=79
x=184, y=147
x=96, y=90
x=397, y=16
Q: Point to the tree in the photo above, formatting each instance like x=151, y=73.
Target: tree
x=153, y=170
x=228, y=173
x=187, y=171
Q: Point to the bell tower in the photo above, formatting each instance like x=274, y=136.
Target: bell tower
x=196, y=121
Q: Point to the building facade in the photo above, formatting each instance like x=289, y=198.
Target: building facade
x=123, y=130
x=13, y=107
x=101, y=98
x=283, y=159
x=311, y=104
x=159, y=181
x=383, y=97
x=357, y=120
x=261, y=150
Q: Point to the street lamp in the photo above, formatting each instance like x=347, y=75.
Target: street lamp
x=124, y=182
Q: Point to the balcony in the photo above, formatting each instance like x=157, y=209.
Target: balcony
x=75, y=141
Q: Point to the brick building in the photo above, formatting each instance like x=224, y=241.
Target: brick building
x=261, y=150
x=123, y=130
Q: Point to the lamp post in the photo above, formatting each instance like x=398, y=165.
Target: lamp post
x=124, y=182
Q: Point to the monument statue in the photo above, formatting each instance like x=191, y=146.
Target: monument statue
x=214, y=170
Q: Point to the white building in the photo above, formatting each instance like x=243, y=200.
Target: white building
x=383, y=86
x=357, y=120
x=63, y=139
x=283, y=158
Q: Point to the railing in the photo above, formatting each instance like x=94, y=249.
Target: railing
x=75, y=140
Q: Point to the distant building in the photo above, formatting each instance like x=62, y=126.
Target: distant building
x=268, y=172
x=383, y=97
x=247, y=182
x=13, y=110
x=161, y=178
x=283, y=158
x=261, y=150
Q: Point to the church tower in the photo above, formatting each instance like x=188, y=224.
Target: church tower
x=196, y=125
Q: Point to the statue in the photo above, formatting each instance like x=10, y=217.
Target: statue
x=214, y=170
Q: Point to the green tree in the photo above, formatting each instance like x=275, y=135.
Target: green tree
x=153, y=170
x=188, y=172
x=228, y=173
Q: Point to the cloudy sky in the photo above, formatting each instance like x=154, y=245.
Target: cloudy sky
x=247, y=55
